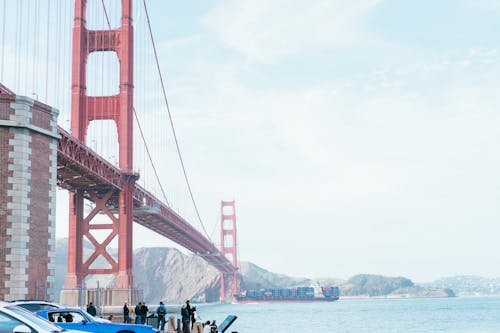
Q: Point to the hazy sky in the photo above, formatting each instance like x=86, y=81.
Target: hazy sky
x=355, y=136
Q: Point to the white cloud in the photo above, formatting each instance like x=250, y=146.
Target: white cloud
x=383, y=159
x=483, y=4
x=268, y=29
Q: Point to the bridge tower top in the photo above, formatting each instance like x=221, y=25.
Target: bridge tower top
x=119, y=107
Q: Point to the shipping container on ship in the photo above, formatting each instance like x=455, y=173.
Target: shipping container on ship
x=297, y=294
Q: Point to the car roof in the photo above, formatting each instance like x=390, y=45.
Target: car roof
x=60, y=309
x=35, y=302
x=2, y=304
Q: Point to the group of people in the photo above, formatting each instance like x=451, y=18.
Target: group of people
x=188, y=316
x=141, y=313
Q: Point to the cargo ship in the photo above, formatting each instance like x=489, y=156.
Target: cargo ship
x=298, y=294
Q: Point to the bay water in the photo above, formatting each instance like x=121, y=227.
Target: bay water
x=422, y=315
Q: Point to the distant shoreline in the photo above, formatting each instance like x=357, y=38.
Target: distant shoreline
x=361, y=297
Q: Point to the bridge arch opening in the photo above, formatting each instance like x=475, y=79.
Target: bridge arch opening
x=103, y=74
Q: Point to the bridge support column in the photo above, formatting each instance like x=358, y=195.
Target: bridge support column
x=28, y=175
x=125, y=275
x=229, y=281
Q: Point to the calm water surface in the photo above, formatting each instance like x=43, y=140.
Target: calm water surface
x=448, y=315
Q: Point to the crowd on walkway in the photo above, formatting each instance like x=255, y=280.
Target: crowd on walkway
x=190, y=320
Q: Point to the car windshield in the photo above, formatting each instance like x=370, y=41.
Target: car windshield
x=31, y=318
x=61, y=315
x=88, y=316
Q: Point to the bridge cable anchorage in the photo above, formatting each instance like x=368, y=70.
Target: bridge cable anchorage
x=171, y=121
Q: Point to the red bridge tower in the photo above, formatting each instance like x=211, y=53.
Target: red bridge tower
x=85, y=109
x=228, y=247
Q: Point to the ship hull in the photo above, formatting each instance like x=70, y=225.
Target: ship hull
x=246, y=300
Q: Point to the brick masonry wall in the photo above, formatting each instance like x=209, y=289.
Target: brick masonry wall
x=5, y=148
x=39, y=222
x=28, y=170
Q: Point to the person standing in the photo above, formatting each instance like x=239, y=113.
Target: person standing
x=193, y=316
x=144, y=313
x=161, y=311
x=137, y=312
x=213, y=327
x=206, y=327
x=185, y=317
x=126, y=314
x=91, y=309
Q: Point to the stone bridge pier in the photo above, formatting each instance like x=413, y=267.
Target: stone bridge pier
x=28, y=174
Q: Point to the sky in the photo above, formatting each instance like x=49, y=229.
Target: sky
x=355, y=136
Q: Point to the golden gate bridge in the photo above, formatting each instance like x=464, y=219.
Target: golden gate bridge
x=42, y=148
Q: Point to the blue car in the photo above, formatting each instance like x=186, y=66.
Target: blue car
x=77, y=319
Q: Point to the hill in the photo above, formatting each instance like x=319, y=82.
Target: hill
x=169, y=275
x=382, y=286
x=469, y=285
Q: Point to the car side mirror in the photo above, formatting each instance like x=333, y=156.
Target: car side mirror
x=84, y=322
x=21, y=329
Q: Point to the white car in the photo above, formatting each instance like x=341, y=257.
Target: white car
x=14, y=319
x=37, y=305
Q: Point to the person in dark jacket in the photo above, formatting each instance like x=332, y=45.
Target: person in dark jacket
x=144, y=313
x=185, y=317
x=193, y=316
x=161, y=311
x=91, y=309
x=138, y=313
x=126, y=314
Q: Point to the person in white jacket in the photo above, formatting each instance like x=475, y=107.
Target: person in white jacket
x=206, y=327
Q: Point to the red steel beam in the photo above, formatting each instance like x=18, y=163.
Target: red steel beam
x=74, y=159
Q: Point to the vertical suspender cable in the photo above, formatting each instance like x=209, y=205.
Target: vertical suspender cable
x=21, y=25
x=58, y=51
x=100, y=61
x=149, y=155
x=65, y=64
x=3, y=42
x=172, y=123
x=25, y=53
x=18, y=30
x=105, y=58
x=139, y=126
x=47, y=54
x=35, y=48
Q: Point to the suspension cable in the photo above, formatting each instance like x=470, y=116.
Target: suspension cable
x=140, y=129
x=171, y=121
x=150, y=158
x=106, y=13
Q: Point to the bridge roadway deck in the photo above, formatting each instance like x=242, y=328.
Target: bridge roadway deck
x=79, y=167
